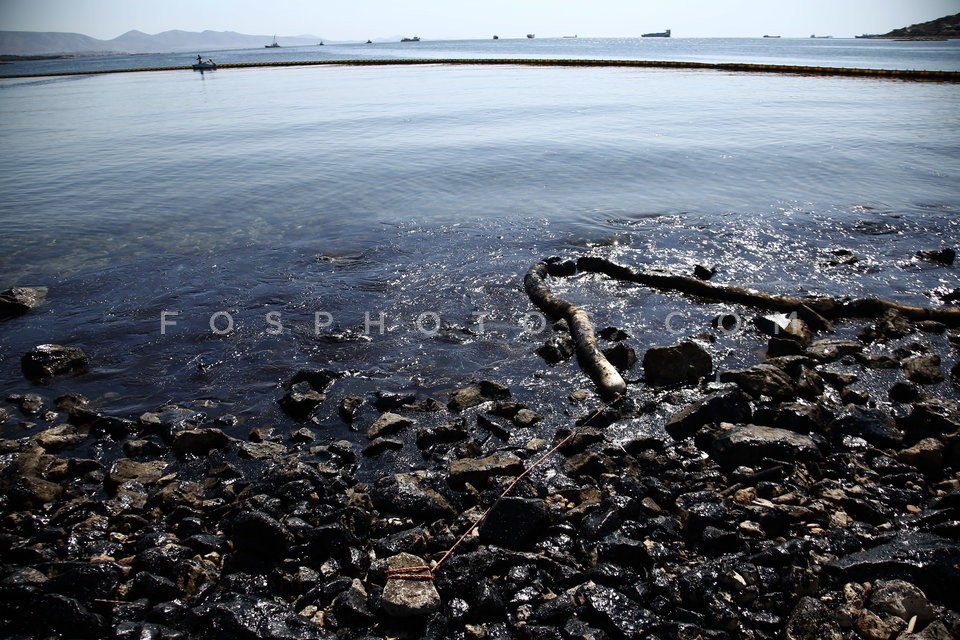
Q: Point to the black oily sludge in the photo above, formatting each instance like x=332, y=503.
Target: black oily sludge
x=811, y=492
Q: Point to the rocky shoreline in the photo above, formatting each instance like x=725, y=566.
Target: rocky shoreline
x=789, y=500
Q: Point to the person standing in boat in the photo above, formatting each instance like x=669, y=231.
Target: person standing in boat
x=199, y=59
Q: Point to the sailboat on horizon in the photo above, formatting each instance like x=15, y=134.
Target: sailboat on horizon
x=272, y=45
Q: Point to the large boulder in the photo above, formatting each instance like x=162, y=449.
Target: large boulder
x=388, y=424
x=933, y=417
x=48, y=360
x=410, y=495
x=242, y=616
x=812, y=620
x=830, y=349
x=746, y=445
x=477, y=471
x=723, y=406
x=350, y=606
x=199, y=441
x=923, y=369
x=514, y=522
x=923, y=559
x=22, y=483
x=349, y=406
x=318, y=379
x=621, y=355
x=306, y=391
x=409, y=594
x=301, y=400
x=761, y=380
x=890, y=325
x=944, y=256
x=474, y=394
x=259, y=534
x=557, y=349
x=926, y=455
x=682, y=363
x=127, y=470
x=901, y=599
x=611, y=610
x=19, y=300
x=800, y=417
x=873, y=425
x=63, y=436
x=57, y=615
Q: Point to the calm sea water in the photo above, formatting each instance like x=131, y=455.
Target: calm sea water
x=414, y=191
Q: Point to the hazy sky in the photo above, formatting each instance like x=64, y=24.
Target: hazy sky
x=447, y=19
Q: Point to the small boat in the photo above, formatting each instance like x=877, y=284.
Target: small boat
x=531, y=36
x=369, y=41
x=496, y=37
x=771, y=36
x=413, y=39
x=272, y=45
x=659, y=34
x=204, y=65
x=320, y=44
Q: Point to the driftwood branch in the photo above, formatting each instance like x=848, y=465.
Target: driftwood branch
x=815, y=310
x=604, y=374
x=825, y=306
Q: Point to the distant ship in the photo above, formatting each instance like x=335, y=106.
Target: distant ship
x=272, y=45
x=531, y=36
x=496, y=37
x=573, y=36
x=413, y=39
x=771, y=36
x=816, y=36
x=661, y=34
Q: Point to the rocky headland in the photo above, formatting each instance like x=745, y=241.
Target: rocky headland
x=945, y=27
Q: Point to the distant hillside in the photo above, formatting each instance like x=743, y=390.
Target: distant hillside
x=26, y=43
x=945, y=27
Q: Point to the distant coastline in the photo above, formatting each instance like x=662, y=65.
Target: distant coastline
x=939, y=29
x=35, y=45
x=50, y=56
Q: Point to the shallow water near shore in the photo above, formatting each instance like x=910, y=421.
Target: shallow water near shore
x=418, y=191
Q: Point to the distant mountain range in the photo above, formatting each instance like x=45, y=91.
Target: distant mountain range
x=32, y=43
x=28, y=43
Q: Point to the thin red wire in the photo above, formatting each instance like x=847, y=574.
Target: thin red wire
x=420, y=572
x=513, y=484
